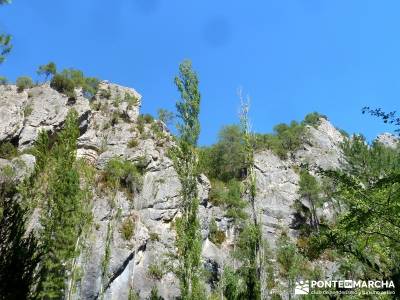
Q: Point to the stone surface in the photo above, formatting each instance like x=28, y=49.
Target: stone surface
x=388, y=140
x=322, y=148
x=12, y=106
x=110, y=128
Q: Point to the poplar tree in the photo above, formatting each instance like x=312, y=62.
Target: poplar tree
x=188, y=238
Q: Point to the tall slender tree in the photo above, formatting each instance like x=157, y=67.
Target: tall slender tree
x=188, y=239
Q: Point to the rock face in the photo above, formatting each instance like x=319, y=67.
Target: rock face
x=24, y=114
x=114, y=266
x=388, y=140
x=278, y=180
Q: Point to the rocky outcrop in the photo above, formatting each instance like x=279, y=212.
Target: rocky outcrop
x=113, y=265
x=322, y=148
x=388, y=140
x=25, y=113
x=16, y=169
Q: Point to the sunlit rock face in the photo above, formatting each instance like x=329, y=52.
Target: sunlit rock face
x=113, y=266
x=388, y=140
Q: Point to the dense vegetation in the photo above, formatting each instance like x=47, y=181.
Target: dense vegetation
x=47, y=260
x=367, y=230
x=69, y=79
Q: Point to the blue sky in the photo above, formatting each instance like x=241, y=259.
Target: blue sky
x=291, y=56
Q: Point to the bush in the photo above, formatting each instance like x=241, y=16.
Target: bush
x=128, y=228
x=63, y=85
x=131, y=100
x=156, y=271
x=69, y=79
x=146, y=118
x=114, y=118
x=89, y=85
x=8, y=150
x=133, y=143
x=24, y=82
x=120, y=173
x=28, y=110
x=285, y=139
x=217, y=195
x=228, y=195
x=313, y=119
x=154, y=294
x=157, y=130
x=105, y=93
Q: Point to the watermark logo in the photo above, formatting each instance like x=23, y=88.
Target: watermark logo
x=302, y=288
x=344, y=287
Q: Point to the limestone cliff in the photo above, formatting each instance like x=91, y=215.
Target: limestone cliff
x=110, y=127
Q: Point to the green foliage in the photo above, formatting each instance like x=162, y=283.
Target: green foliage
x=142, y=120
x=105, y=93
x=120, y=173
x=145, y=119
x=24, y=82
x=133, y=143
x=5, y=46
x=8, y=150
x=128, y=228
x=89, y=85
x=366, y=162
x=47, y=70
x=63, y=85
x=234, y=285
x=224, y=160
x=313, y=119
x=133, y=295
x=107, y=251
x=5, y=40
x=387, y=118
x=65, y=212
x=286, y=139
x=247, y=247
x=154, y=294
x=165, y=116
x=115, y=117
x=156, y=271
x=229, y=196
x=189, y=106
x=310, y=189
x=28, y=109
x=131, y=100
x=368, y=228
x=291, y=263
x=184, y=155
x=69, y=79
